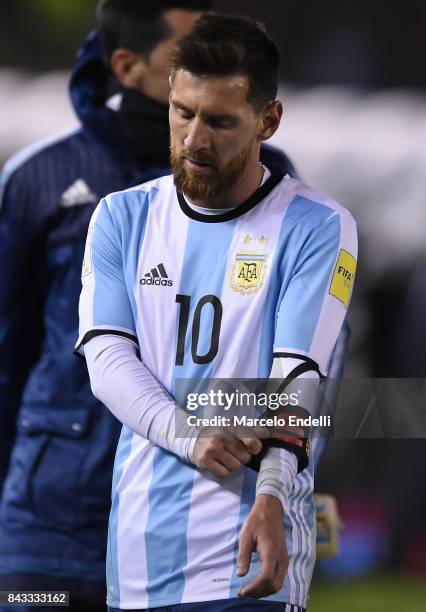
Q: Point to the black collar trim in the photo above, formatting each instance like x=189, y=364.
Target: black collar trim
x=261, y=193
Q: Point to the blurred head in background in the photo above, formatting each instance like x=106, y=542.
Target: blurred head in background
x=138, y=35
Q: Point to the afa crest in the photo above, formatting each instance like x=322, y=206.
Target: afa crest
x=248, y=271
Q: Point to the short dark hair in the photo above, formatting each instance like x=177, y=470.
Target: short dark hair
x=138, y=25
x=221, y=45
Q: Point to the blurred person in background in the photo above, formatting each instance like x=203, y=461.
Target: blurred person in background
x=57, y=442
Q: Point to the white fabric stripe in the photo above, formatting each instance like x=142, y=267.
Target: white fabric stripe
x=209, y=551
x=132, y=488
x=86, y=303
x=305, y=539
x=300, y=189
x=243, y=313
x=300, y=536
x=332, y=310
x=307, y=392
x=168, y=249
x=291, y=572
x=312, y=539
x=302, y=541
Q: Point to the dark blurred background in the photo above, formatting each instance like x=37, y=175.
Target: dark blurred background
x=353, y=84
x=368, y=44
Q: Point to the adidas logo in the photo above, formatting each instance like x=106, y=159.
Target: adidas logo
x=77, y=193
x=157, y=276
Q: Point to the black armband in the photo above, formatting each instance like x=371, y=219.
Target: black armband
x=291, y=437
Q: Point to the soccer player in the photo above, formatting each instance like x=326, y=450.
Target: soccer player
x=228, y=268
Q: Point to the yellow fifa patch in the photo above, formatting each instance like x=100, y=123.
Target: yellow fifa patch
x=343, y=277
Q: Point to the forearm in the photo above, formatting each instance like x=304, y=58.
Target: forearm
x=277, y=472
x=129, y=390
x=279, y=466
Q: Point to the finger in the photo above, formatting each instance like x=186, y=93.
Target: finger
x=261, y=432
x=216, y=468
x=245, y=549
x=238, y=449
x=280, y=571
x=228, y=460
x=263, y=585
x=253, y=445
x=251, y=438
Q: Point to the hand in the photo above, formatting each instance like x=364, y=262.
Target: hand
x=263, y=532
x=222, y=450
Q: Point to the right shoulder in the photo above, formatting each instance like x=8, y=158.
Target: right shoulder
x=139, y=197
x=26, y=165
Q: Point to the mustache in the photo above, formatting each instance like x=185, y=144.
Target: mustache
x=196, y=157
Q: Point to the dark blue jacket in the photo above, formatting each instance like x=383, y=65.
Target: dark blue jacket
x=57, y=442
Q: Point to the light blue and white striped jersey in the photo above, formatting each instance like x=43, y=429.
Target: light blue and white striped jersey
x=210, y=296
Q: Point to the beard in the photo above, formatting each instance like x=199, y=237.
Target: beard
x=218, y=182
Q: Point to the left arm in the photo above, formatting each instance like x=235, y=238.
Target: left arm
x=311, y=314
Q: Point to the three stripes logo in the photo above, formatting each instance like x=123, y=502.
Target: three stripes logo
x=157, y=276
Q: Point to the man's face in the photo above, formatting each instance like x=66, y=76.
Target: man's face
x=214, y=133
x=155, y=83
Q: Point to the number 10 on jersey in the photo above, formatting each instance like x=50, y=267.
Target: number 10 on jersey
x=184, y=315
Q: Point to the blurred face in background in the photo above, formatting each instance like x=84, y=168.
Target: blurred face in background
x=150, y=76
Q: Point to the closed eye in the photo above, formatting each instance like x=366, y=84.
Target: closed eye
x=182, y=111
x=222, y=123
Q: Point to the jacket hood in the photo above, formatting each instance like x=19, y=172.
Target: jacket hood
x=88, y=89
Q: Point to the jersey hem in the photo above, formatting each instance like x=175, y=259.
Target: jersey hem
x=171, y=601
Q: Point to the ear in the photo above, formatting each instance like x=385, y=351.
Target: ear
x=270, y=119
x=129, y=68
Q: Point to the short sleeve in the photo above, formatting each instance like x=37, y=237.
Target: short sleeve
x=105, y=306
x=315, y=303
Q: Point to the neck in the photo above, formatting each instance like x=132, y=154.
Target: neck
x=247, y=183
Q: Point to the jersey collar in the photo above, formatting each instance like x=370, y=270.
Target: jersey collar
x=261, y=193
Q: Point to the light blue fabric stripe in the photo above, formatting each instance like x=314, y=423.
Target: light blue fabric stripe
x=129, y=211
x=280, y=274
x=248, y=495
x=111, y=303
x=305, y=294
x=113, y=579
x=203, y=273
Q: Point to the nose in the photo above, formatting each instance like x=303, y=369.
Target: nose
x=197, y=137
